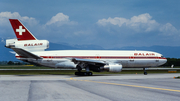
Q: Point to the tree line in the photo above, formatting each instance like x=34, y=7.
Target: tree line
x=172, y=61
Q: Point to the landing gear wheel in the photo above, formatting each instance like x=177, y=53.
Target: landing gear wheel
x=145, y=73
x=83, y=73
x=77, y=73
x=90, y=73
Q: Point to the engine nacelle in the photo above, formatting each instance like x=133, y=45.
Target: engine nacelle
x=31, y=45
x=113, y=67
x=66, y=64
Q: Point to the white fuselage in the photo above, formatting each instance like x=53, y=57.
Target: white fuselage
x=126, y=58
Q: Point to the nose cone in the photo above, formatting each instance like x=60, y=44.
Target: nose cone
x=165, y=60
x=162, y=61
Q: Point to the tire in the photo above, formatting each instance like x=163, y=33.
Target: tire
x=89, y=73
x=85, y=73
x=76, y=73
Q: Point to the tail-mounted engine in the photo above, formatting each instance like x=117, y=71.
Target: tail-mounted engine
x=30, y=45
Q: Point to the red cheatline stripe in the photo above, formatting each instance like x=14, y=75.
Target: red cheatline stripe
x=97, y=57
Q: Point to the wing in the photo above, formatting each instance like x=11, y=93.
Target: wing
x=87, y=61
x=25, y=54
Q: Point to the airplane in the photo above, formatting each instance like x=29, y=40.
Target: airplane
x=29, y=49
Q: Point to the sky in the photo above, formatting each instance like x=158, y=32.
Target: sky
x=106, y=23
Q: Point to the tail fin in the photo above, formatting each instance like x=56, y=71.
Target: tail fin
x=22, y=33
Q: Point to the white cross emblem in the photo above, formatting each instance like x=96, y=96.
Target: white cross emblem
x=20, y=30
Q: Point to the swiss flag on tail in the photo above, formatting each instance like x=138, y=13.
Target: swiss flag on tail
x=22, y=33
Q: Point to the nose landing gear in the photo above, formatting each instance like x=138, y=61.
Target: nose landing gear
x=145, y=73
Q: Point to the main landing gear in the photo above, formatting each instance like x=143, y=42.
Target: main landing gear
x=84, y=73
x=87, y=73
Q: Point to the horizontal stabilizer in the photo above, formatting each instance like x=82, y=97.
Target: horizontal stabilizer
x=25, y=54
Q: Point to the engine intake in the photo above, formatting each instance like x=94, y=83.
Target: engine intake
x=113, y=67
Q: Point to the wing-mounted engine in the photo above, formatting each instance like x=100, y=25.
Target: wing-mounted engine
x=30, y=45
x=113, y=67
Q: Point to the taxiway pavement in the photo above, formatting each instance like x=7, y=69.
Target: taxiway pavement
x=121, y=87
